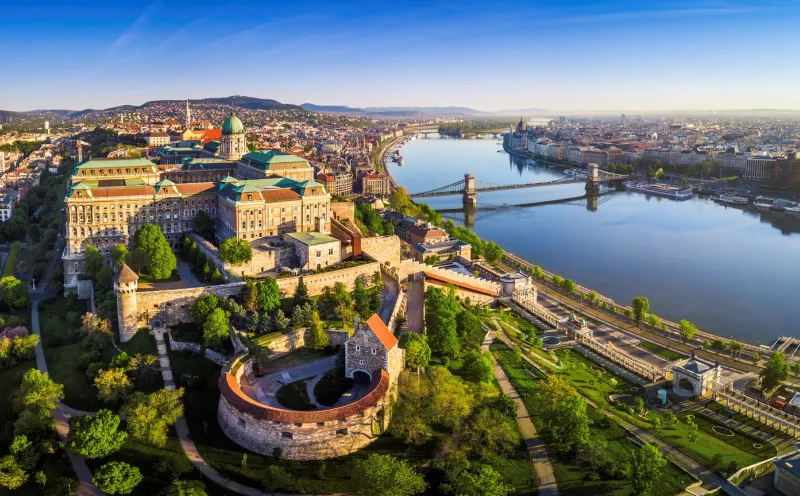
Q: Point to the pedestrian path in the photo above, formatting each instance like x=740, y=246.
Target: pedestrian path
x=536, y=448
x=62, y=414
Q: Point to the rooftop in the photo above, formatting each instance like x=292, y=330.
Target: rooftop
x=101, y=163
x=312, y=238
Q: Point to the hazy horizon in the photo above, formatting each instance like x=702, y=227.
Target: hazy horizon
x=575, y=56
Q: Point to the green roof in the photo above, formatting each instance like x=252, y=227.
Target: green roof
x=232, y=125
x=308, y=184
x=312, y=238
x=115, y=163
x=272, y=157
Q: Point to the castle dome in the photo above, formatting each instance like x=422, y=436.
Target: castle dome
x=232, y=125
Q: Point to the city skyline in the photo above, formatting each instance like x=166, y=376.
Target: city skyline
x=576, y=56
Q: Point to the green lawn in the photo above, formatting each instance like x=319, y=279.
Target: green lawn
x=572, y=476
x=188, y=332
x=750, y=422
x=11, y=261
x=579, y=374
x=659, y=350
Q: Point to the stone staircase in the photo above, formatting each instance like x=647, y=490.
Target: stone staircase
x=410, y=267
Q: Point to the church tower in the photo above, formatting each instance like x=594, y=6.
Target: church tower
x=232, y=143
x=188, y=117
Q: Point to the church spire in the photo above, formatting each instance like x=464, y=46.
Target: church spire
x=188, y=116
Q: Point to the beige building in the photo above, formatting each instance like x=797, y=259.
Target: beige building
x=376, y=184
x=315, y=250
x=157, y=139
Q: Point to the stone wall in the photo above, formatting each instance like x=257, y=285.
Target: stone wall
x=410, y=267
x=316, y=282
x=294, y=340
x=344, y=211
x=183, y=345
x=384, y=249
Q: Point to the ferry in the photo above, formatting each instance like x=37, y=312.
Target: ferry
x=400, y=161
x=763, y=202
x=731, y=200
x=658, y=189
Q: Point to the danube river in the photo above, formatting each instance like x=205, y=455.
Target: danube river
x=731, y=272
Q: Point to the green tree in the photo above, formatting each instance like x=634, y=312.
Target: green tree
x=12, y=475
x=269, y=294
x=556, y=281
x=653, y=321
x=117, y=478
x=687, y=329
x=203, y=225
x=440, y=322
x=112, y=385
x=449, y=398
x=775, y=372
x=568, y=285
x=736, y=347
x=492, y=252
x=118, y=255
x=150, y=415
x=37, y=397
x=300, y=296
x=25, y=452
x=400, y=199
x=361, y=297
x=235, y=251
x=276, y=478
x=95, y=437
x=137, y=260
x=184, y=488
x=483, y=481
x=385, y=475
x=479, y=367
x=648, y=467
x=250, y=296
x=538, y=272
x=640, y=306
x=279, y=322
x=317, y=338
x=203, y=306
x=756, y=357
x=93, y=261
x=14, y=292
x=570, y=423
x=418, y=353
x=160, y=259
x=593, y=297
x=629, y=314
x=694, y=432
x=216, y=327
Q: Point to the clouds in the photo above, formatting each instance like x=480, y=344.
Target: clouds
x=651, y=14
x=136, y=30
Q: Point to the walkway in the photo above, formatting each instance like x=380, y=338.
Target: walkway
x=187, y=276
x=62, y=414
x=415, y=306
x=536, y=448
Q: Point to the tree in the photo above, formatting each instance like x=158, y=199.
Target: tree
x=235, y=251
x=300, y=296
x=687, y=329
x=112, y=385
x=556, y=281
x=568, y=285
x=629, y=314
x=418, y=353
x=654, y=321
x=492, y=252
x=538, y=272
x=37, y=397
x=440, y=322
x=385, y=475
x=149, y=416
x=250, y=296
x=317, y=337
x=485, y=481
x=486, y=434
x=12, y=475
x=95, y=437
x=216, y=328
x=279, y=321
x=269, y=294
x=479, y=367
x=361, y=296
x=648, y=465
x=776, y=371
x=93, y=261
x=736, y=347
x=117, y=478
x=14, y=292
x=276, y=477
x=570, y=423
x=400, y=199
x=118, y=255
x=449, y=399
x=694, y=432
x=203, y=306
x=593, y=297
x=185, y=488
x=137, y=260
x=756, y=357
x=160, y=259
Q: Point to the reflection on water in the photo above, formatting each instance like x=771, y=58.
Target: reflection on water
x=731, y=271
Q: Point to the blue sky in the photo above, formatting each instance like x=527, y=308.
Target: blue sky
x=558, y=55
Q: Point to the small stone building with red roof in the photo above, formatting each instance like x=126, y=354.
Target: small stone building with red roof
x=373, y=347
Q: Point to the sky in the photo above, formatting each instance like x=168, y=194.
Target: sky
x=559, y=55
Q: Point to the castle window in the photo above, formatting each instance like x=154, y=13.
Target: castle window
x=374, y=351
x=341, y=432
x=361, y=362
x=287, y=435
x=320, y=424
x=358, y=347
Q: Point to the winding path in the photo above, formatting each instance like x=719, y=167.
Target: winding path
x=536, y=447
x=62, y=414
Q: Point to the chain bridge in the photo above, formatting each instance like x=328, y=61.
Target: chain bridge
x=469, y=186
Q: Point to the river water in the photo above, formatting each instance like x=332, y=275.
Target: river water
x=732, y=272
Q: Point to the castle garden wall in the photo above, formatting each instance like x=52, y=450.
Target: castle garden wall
x=294, y=340
x=384, y=249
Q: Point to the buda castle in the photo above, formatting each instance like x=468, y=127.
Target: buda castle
x=248, y=195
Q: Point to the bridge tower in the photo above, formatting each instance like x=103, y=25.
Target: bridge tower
x=592, y=179
x=469, y=190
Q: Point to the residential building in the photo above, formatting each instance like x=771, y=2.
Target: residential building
x=157, y=139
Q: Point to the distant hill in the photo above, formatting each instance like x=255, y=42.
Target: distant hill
x=391, y=111
x=249, y=102
x=58, y=112
x=332, y=109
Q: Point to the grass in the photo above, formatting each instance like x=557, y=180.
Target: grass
x=11, y=261
x=188, y=332
x=731, y=449
x=748, y=421
x=294, y=396
x=331, y=387
x=659, y=350
x=571, y=474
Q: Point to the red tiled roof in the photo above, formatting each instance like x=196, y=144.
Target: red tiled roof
x=123, y=191
x=230, y=390
x=211, y=135
x=275, y=195
x=382, y=332
x=193, y=188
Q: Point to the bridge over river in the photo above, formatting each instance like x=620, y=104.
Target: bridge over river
x=469, y=187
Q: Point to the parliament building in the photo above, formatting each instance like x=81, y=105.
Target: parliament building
x=250, y=195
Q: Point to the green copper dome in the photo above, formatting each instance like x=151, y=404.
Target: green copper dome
x=232, y=125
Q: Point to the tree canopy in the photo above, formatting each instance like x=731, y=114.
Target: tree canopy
x=385, y=475
x=235, y=251
x=640, y=306
x=95, y=437
x=418, y=353
x=14, y=292
x=216, y=327
x=687, y=329
x=317, y=337
x=117, y=478
x=149, y=416
x=160, y=260
x=441, y=310
x=776, y=370
x=648, y=466
x=269, y=294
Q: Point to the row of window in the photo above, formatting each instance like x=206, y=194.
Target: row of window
x=157, y=205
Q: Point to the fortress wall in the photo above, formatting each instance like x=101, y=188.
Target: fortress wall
x=294, y=340
x=385, y=249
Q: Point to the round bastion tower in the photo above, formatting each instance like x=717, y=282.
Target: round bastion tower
x=125, y=286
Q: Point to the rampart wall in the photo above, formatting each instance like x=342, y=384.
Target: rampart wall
x=294, y=340
x=384, y=249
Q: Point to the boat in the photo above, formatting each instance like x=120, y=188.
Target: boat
x=794, y=208
x=658, y=189
x=727, y=199
x=763, y=202
x=400, y=161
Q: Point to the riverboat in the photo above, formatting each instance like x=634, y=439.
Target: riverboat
x=400, y=161
x=734, y=200
x=665, y=190
x=763, y=202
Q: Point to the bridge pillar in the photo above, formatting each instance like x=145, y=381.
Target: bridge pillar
x=592, y=179
x=469, y=198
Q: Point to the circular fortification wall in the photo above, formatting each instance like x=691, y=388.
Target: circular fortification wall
x=301, y=435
